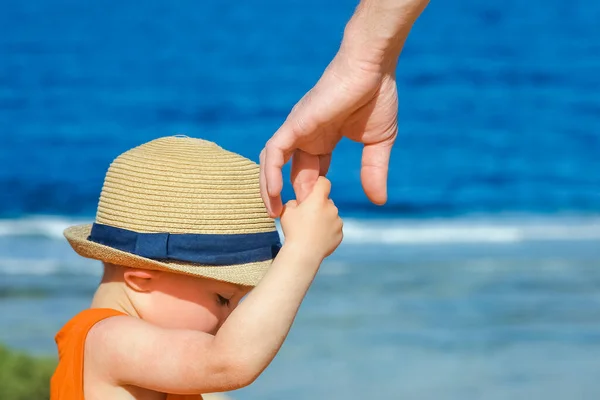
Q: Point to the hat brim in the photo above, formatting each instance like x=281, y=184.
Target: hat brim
x=243, y=274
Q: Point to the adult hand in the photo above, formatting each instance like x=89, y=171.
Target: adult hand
x=356, y=98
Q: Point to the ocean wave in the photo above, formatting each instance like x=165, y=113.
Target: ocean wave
x=47, y=266
x=390, y=231
x=50, y=227
x=471, y=230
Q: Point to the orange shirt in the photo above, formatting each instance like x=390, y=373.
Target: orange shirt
x=67, y=381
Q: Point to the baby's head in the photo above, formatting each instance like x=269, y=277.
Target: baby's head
x=182, y=231
x=170, y=300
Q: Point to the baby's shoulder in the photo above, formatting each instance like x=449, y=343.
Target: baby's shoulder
x=111, y=339
x=117, y=328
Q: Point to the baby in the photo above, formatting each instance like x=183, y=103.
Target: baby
x=184, y=236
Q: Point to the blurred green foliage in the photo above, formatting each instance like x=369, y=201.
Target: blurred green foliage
x=23, y=377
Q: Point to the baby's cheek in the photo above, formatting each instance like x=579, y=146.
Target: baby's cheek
x=199, y=318
x=206, y=321
x=175, y=313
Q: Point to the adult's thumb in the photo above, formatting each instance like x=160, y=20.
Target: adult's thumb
x=374, y=171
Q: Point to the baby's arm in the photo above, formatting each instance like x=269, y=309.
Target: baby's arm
x=127, y=351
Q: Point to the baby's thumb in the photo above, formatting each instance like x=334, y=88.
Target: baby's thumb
x=291, y=204
x=287, y=213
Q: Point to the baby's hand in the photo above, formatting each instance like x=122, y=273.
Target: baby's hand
x=314, y=225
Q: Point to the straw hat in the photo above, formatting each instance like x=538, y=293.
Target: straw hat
x=182, y=205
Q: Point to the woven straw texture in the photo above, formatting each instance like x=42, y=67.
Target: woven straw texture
x=179, y=185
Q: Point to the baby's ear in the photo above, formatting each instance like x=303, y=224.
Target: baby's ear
x=140, y=280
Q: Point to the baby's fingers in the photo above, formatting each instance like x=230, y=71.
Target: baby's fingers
x=321, y=189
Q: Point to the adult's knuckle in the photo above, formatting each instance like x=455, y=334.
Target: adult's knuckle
x=269, y=146
x=302, y=125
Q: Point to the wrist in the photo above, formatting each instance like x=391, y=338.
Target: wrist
x=376, y=33
x=301, y=253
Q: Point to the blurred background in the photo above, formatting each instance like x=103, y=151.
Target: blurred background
x=480, y=279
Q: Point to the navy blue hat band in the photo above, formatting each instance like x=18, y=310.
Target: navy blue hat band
x=205, y=249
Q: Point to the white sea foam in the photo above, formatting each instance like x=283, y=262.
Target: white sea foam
x=50, y=227
x=391, y=231
x=47, y=266
x=471, y=231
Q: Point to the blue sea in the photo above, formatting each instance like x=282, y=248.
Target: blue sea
x=479, y=279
